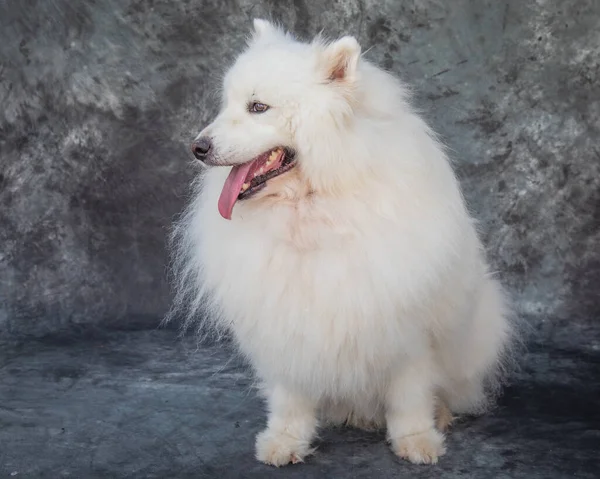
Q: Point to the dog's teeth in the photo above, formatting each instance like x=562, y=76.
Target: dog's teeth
x=245, y=186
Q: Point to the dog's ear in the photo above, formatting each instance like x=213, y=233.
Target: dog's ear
x=264, y=28
x=340, y=59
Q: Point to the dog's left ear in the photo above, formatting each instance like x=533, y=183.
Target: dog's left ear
x=340, y=59
x=264, y=29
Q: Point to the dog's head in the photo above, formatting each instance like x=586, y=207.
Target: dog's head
x=286, y=106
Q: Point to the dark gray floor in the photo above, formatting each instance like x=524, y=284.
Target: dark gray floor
x=147, y=405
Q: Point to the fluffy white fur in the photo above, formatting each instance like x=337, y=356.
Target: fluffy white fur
x=355, y=284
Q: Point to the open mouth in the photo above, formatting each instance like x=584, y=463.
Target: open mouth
x=248, y=178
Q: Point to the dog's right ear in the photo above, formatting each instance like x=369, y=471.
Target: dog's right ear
x=339, y=60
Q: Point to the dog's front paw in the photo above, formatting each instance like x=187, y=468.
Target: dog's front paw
x=278, y=448
x=421, y=448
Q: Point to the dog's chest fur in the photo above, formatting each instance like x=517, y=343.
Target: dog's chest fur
x=310, y=298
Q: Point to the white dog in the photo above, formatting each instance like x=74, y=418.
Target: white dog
x=330, y=238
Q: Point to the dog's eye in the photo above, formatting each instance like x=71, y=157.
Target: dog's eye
x=256, y=107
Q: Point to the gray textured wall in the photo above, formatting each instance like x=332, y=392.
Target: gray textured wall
x=100, y=98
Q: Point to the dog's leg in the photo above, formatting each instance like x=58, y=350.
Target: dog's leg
x=291, y=426
x=410, y=412
x=443, y=415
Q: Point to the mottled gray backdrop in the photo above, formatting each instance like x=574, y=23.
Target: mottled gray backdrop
x=99, y=100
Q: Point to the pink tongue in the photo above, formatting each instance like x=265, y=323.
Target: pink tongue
x=232, y=187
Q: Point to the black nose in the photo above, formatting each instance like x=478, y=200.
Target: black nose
x=201, y=147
